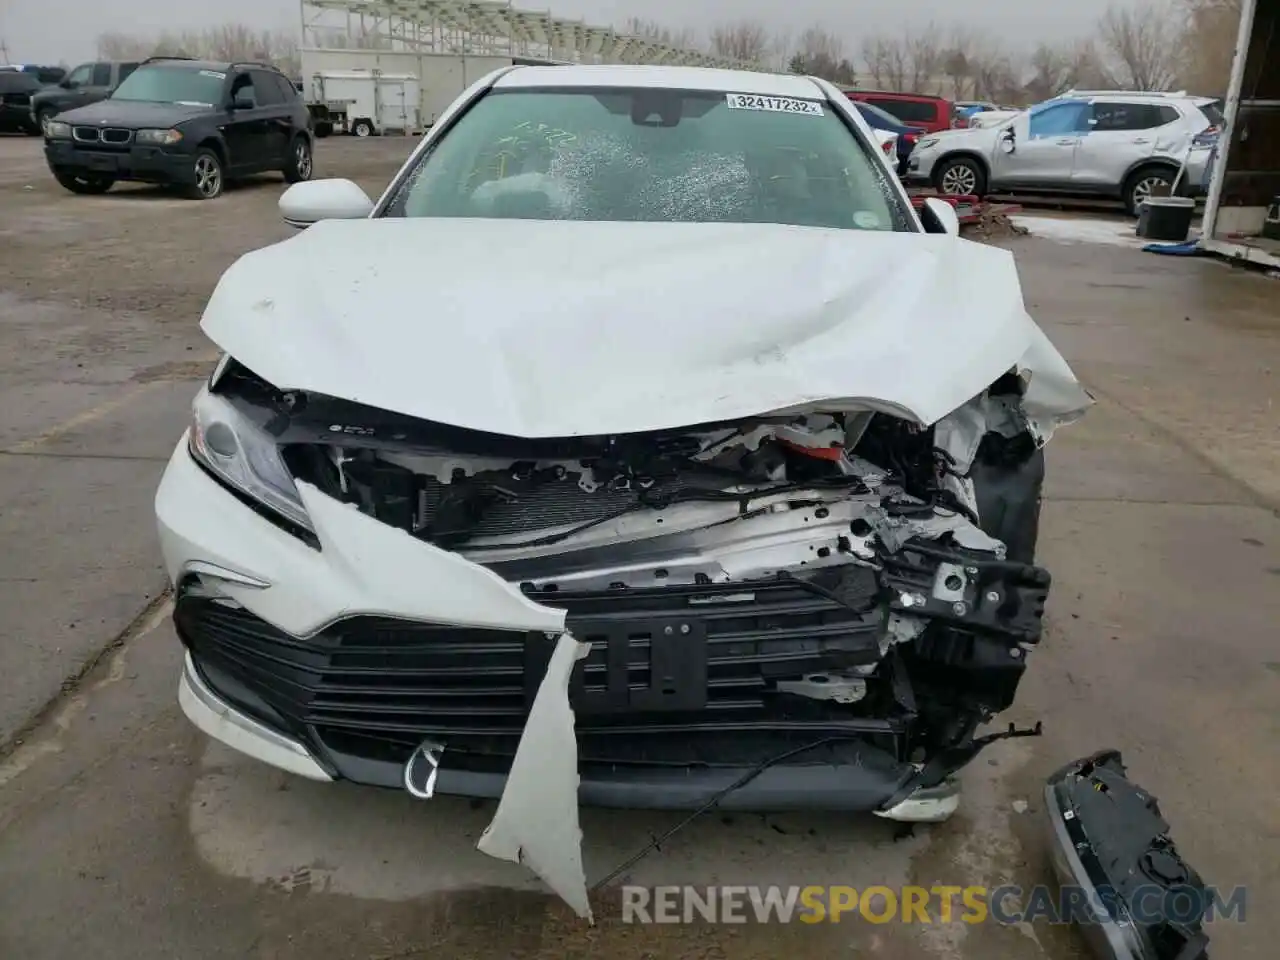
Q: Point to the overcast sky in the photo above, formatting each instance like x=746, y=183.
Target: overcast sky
x=65, y=30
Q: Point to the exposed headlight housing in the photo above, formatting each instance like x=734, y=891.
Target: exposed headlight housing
x=58, y=130
x=927, y=142
x=244, y=457
x=160, y=138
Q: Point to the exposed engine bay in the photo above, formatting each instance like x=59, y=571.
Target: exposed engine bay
x=836, y=570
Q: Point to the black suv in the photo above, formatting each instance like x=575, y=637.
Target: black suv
x=190, y=123
x=16, y=91
x=88, y=83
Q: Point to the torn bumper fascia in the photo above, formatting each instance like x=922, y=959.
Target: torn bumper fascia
x=1108, y=841
x=537, y=819
x=367, y=567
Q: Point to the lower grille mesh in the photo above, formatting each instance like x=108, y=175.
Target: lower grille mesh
x=381, y=686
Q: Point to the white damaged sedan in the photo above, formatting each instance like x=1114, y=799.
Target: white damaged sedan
x=639, y=447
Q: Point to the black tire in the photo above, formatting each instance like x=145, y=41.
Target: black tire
x=210, y=175
x=960, y=176
x=362, y=128
x=301, y=163
x=1138, y=187
x=86, y=184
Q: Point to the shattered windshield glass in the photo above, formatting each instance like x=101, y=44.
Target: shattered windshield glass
x=652, y=155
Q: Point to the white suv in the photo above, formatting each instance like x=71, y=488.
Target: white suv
x=1118, y=144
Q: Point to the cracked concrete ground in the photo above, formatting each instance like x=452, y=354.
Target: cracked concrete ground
x=124, y=834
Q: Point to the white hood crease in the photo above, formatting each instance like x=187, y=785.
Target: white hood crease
x=557, y=329
x=554, y=329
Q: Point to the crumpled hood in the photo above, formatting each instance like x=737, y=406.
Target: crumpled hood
x=552, y=328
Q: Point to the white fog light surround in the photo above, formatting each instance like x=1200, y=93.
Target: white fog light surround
x=243, y=456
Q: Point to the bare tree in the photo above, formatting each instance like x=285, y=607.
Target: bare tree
x=745, y=40
x=995, y=75
x=1207, y=45
x=885, y=60
x=228, y=42
x=1142, y=41
x=820, y=53
x=1056, y=69
x=781, y=51
x=645, y=29
x=927, y=55
x=957, y=64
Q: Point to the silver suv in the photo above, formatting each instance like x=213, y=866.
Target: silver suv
x=1116, y=143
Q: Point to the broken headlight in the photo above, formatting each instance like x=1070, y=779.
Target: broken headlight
x=244, y=456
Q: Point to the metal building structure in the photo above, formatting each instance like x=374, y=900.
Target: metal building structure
x=1245, y=184
x=484, y=28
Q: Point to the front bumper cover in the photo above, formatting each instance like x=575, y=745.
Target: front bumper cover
x=146, y=164
x=1109, y=842
x=279, y=604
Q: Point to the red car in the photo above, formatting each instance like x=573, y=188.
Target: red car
x=929, y=114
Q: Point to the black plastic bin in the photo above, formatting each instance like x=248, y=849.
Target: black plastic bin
x=1166, y=218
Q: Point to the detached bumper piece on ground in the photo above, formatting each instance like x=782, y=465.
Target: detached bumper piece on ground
x=1109, y=841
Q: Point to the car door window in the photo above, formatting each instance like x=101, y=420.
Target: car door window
x=1056, y=120
x=288, y=93
x=242, y=90
x=916, y=111
x=266, y=89
x=101, y=75
x=80, y=76
x=1131, y=116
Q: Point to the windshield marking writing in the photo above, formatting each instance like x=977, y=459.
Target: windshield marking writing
x=743, y=101
x=525, y=135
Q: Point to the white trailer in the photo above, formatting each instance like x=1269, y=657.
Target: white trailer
x=364, y=102
x=439, y=78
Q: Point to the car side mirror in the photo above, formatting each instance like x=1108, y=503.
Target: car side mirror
x=241, y=102
x=314, y=200
x=1009, y=141
x=66, y=84
x=938, y=216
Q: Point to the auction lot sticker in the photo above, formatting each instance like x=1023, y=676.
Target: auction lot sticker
x=750, y=101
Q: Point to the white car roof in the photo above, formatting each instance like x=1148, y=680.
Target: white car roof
x=673, y=78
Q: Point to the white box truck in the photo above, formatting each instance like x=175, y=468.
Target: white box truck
x=364, y=102
x=437, y=78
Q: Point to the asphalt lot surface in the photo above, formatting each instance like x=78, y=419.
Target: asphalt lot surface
x=124, y=833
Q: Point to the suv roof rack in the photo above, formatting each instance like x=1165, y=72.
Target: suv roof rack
x=260, y=64
x=1124, y=93
x=166, y=57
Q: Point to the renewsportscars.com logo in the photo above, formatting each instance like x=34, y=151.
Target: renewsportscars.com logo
x=915, y=904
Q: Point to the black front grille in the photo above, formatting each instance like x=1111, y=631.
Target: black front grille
x=669, y=669
x=116, y=136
